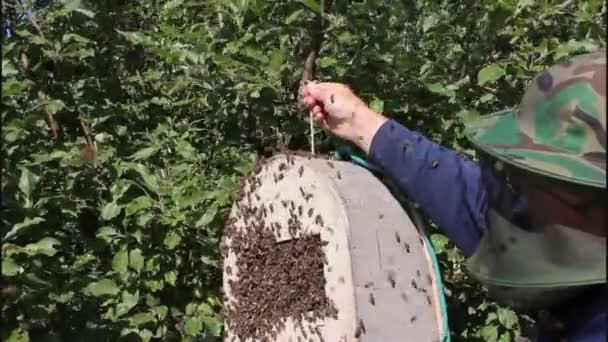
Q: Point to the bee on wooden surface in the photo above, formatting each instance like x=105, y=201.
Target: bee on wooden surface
x=301, y=171
x=271, y=207
x=391, y=279
x=319, y=220
x=339, y=175
x=407, y=247
x=397, y=237
x=414, y=285
x=310, y=211
x=372, y=300
x=368, y=284
x=280, y=177
x=413, y=319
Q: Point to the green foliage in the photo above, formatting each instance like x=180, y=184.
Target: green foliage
x=180, y=98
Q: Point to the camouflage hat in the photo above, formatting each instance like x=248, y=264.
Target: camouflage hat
x=559, y=129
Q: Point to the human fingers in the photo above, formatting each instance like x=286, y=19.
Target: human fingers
x=309, y=101
x=317, y=110
x=319, y=91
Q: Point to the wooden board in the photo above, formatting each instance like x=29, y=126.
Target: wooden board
x=373, y=250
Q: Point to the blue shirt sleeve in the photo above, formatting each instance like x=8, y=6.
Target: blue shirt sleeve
x=445, y=185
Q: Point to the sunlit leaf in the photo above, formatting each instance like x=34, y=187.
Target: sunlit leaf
x=277, y=58
x=20, y=227
x=172, y=240
x=193, y=326
x=136, y=260
x=9, y=267
x=44, y=246
x=102, y=287
x=28, y=181
x=313, y=5
x=120, y=261
x=110, y=211
x=207, y=217
x=490, y=74
x=138, y=204
x=141, y=318
x=507, y=317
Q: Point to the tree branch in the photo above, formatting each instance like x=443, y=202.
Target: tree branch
x=308, y=70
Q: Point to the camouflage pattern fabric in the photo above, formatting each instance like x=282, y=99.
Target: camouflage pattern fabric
x=559, y=129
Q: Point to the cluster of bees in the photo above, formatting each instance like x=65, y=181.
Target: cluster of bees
x=260, y=263
x=246, y=316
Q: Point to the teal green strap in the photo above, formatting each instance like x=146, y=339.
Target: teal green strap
x=349, y=153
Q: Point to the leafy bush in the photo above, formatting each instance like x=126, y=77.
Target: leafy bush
x=127, y=126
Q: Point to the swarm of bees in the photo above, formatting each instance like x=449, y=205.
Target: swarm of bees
x=274, y=280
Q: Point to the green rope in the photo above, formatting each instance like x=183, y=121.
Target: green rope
x=349, y=153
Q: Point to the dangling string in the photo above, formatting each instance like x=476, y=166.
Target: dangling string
x=312, y=135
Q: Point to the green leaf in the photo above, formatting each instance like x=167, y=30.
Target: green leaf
x=86, y=12
x=440, y=242
x=185, y=150
x=110, y=211
x=144, y=153
x=172, y=240
x=20, y=227
x=171, y=277
x=45, y=246
x=120, y=261
x=277, y=58
x=441, y=89
x=138, y=204
x=73, y=37
x=193, y=326
x=209, y=261
x=107, y=233
x=53, y=106
x=161, y=311
x=173, y=4
x=9, y=267
x=136, y=260
x=128, y=302
x=8, y=69
x=490, y=73
x=207, y=217
x=377, y=105
x=507, y=317
x=467, y=116
x=312, y=4
x=102, y=287
x=141, y=318
x=489, y=333
x=28, y=182
x=295, y=15
x=149, y=179
x=213, y=325
x=18, y=335
x=327, y=62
